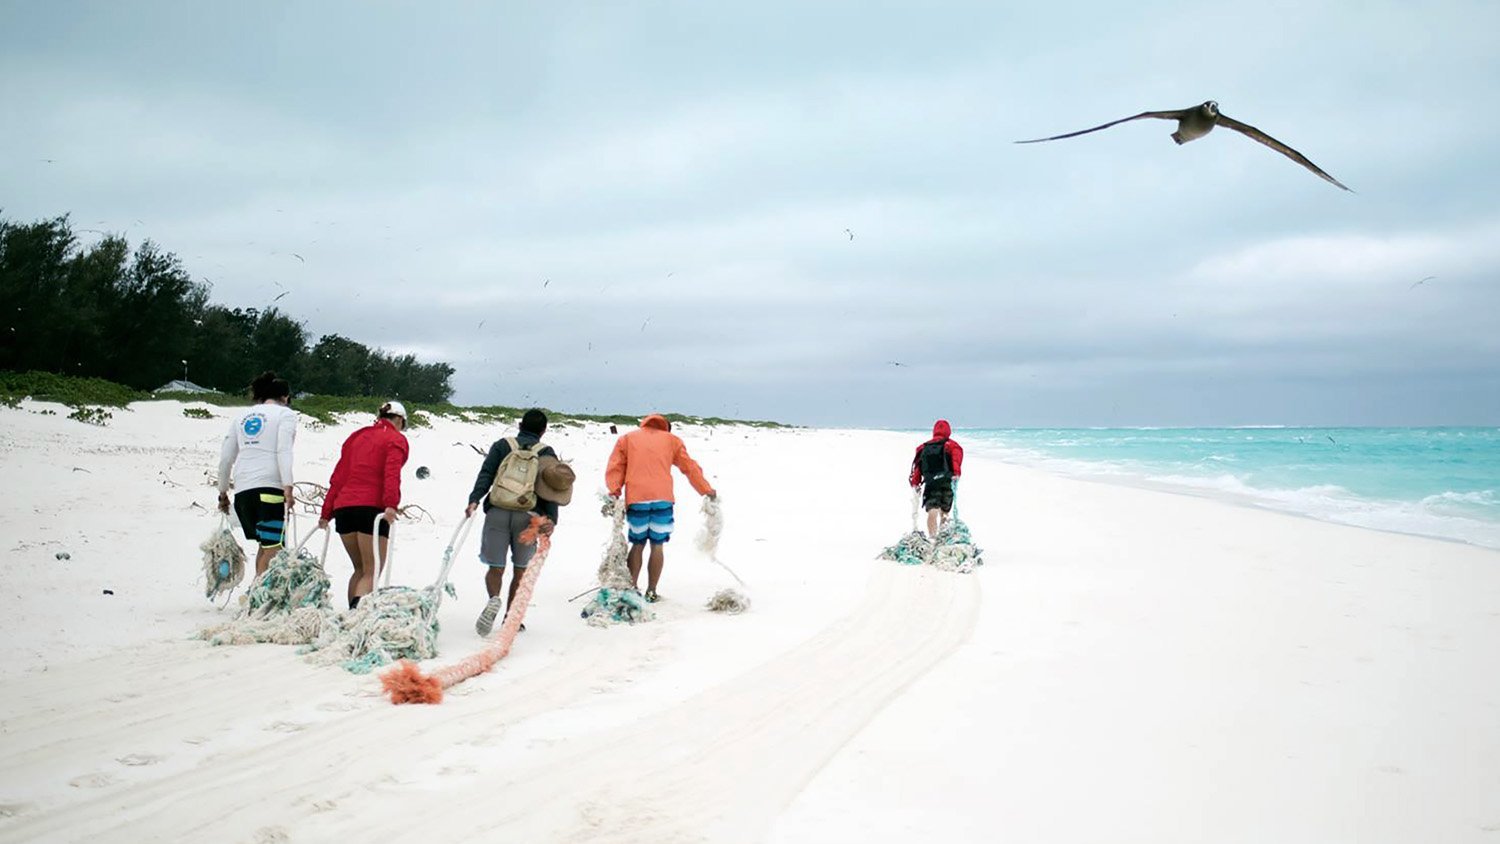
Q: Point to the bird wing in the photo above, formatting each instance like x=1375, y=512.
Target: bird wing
x=1163, y=115
x=1255, y=134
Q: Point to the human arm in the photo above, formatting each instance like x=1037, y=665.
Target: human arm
x=228, y=451
x=915, y=477
x=614, y=472
x=486, y=477
x=956, y=458
x=339, y=471
x=286, y=435
x=395, y=457
x=694, y=473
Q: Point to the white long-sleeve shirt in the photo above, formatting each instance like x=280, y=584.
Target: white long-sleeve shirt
x=258, y=448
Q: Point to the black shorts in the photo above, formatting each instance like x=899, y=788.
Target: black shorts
x=262, y=515
x=937, y=495
x=359, y=520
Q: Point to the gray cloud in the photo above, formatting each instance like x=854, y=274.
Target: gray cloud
x=693, y=169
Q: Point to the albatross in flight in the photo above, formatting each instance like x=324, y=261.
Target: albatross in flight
x=1197, y=121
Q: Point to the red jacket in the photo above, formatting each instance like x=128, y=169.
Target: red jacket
x=941, y=430
x=368, y=473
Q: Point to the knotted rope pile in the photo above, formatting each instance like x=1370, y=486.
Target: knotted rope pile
x=616, y=601
x=288, y=605
x=953, y=550
x=223, y=561
x=390, y=624
x=407, y=684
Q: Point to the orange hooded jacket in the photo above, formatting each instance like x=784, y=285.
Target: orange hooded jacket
x=642, y=463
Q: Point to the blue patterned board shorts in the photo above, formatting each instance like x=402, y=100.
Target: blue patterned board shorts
x=649, y=520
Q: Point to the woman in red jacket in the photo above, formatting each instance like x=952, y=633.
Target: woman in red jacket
x=366, y=481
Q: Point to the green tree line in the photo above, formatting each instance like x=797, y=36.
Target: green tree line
x=133, y=317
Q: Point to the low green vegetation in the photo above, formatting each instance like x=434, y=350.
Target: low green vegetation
x=97, y=393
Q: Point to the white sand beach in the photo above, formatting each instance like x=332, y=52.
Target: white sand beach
x=1129, y=665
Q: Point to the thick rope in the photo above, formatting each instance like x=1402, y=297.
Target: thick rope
x=407, y=684
x=223, y=561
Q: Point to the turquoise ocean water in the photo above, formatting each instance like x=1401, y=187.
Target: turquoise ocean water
x=1441, y=482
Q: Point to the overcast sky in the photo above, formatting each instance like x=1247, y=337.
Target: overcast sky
x=646, y=204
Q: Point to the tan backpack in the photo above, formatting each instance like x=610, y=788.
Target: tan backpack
x=515, y=481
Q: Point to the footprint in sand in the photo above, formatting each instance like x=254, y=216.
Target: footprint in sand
x=457, y=770
x=1390, y=769
x=92, y=781
x=136, y=760
x=324, y=806
x=196, y=739
x=271, y=835
x=11, y=810
x=338, y=706
x=286, y=727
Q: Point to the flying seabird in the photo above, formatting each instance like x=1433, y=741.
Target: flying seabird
x=1416, y=284
x=299, y=257
x=850, y=233
x=282, y=296
x=1197, y=121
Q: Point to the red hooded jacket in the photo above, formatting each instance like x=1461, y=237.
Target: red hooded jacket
x=368, y=473
x=941, y=430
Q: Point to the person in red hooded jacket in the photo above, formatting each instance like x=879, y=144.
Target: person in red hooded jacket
x=366, y=481
x=936, y=468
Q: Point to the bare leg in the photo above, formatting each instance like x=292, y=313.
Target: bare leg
x=494, y=577
x=653, y=568
x=351, y=546
x=515, y=581
x=366, y=583
x=263, y=558
x=932, y=522
x=633, y=560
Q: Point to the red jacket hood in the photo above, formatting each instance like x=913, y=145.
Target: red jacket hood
x=941, y=428
x=657, y=421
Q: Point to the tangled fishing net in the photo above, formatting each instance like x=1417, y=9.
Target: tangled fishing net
x=616, y=601
x=953, y=551
x=223, y=561
x=390, y=624
x=288, y=605
x=729, y=601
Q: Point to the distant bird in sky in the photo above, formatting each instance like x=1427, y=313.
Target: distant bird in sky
x=895, y=363
x=282, y=296
x=49, y=160
x=1331, y=439
x=643, y=323
x=545, y=283
x=850, y=233
x=299, y=257
x=481, y=324
x=1197, y=121
x=1416, y=284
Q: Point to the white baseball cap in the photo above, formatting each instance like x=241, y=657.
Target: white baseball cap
x=393, y=407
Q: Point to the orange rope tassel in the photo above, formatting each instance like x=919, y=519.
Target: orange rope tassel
x=406, y=683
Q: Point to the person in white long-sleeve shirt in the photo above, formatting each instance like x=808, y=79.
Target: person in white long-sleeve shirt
x=258, y=449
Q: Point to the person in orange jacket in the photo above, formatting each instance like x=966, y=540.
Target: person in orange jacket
x=641, y=464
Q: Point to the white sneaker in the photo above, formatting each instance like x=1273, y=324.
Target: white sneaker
x=486, y=621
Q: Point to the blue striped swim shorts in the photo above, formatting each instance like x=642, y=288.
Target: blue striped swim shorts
x=649, y=520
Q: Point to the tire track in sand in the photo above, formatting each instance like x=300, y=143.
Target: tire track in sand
x=721, y=765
